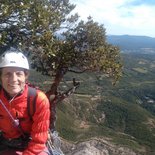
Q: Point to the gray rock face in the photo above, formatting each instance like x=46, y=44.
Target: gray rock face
x=95, y=147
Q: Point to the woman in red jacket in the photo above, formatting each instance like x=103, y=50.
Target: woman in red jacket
x=30, y=137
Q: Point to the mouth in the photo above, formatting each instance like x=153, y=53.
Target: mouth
x=13, y=86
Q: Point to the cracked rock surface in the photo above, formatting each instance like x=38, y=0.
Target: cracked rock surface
x=95, y=147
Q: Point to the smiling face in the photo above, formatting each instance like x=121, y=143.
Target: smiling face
x=13, y=79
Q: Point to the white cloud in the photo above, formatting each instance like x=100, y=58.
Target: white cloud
x=119, y=16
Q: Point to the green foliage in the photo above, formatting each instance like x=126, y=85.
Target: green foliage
x=55, y=41
x=128, y=118
x=66, y=127
x=91, y=49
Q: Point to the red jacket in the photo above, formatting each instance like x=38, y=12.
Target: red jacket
x=38, y=128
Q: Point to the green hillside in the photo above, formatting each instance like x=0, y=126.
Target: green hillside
x=124, y=114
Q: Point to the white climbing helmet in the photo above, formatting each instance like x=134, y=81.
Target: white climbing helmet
x=13, y=58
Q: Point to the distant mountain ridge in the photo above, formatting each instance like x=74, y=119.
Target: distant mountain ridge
x=131, y=42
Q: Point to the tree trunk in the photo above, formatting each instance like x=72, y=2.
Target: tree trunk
x=53, y=97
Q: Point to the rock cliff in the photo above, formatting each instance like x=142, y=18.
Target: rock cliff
x=95, y=147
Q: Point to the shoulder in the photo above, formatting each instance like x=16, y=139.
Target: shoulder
x=41, y=94
x=42, y=99
x=32, y=91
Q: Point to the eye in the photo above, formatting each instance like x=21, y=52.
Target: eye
x=19, y=73
x=8, y=74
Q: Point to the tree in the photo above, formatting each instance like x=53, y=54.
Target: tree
x=56, y=41
x=29, y=22
x=91, y=51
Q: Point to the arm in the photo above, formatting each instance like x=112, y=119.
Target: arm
x=40, y=126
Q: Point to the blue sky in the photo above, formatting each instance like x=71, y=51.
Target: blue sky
x=133, y=17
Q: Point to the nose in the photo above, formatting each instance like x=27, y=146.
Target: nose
x=13, y=77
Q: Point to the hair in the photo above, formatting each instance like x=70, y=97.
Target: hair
x=26, y=73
